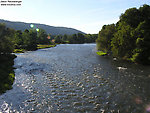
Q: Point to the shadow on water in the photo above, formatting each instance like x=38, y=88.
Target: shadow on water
x=73, y=78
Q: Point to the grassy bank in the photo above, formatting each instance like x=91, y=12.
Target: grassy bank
x=19, y=51
x=45, y=46
x=101, y=53
x=38, y=47
x=7, y=75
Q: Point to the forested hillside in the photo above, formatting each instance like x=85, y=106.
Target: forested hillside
x=49, y=29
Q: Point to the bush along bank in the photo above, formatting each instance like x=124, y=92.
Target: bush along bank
x=7, y=75
x=129, y=38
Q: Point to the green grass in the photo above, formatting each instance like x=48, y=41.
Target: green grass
x=18, y=51
x=38, y=47
x=45, y=46
x=101, y=53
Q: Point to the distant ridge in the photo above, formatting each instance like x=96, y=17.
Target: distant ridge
x=49, y=29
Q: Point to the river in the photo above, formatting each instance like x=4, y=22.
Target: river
x=72, y=78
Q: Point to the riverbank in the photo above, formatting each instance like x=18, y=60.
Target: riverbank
x=38, y=47
x=45, y=46
x=7, y=75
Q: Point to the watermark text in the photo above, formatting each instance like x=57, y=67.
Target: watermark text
x=10, y=2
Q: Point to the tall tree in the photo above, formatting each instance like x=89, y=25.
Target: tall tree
x=58, y=39
x=6, y=46
x=104, y=37
x=30, y=39
x=42, y=37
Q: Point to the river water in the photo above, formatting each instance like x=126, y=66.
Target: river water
x=72, y=78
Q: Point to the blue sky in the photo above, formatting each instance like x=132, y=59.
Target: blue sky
x=86, y=15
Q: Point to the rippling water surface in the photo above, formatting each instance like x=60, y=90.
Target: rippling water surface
x=72, y=79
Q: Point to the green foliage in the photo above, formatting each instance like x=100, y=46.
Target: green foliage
x=58, y=39
x=45, y=46
x=30, y=39
x=122, y=43
x=142, y=50
x=6, y=46
x=131, y=17
x=18, y=51
x=65, y=37
x=144, y=12
x=104, y=38
x=90, y=38
x=6, y=72
x=131, y=38
x=42, y=37
x=75, y=38
x=18, y=39
x=6, y=59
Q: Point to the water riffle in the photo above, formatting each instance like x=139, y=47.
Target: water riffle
x=73, y=78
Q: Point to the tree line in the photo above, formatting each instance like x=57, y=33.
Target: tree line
x=11, y=39
x=129, y=38
x=75, y=38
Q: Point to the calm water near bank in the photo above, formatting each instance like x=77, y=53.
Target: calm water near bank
x=71, y=78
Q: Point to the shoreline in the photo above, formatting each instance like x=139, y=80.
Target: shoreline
x=38, y=47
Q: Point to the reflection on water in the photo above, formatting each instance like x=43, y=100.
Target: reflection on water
x=72, y=78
